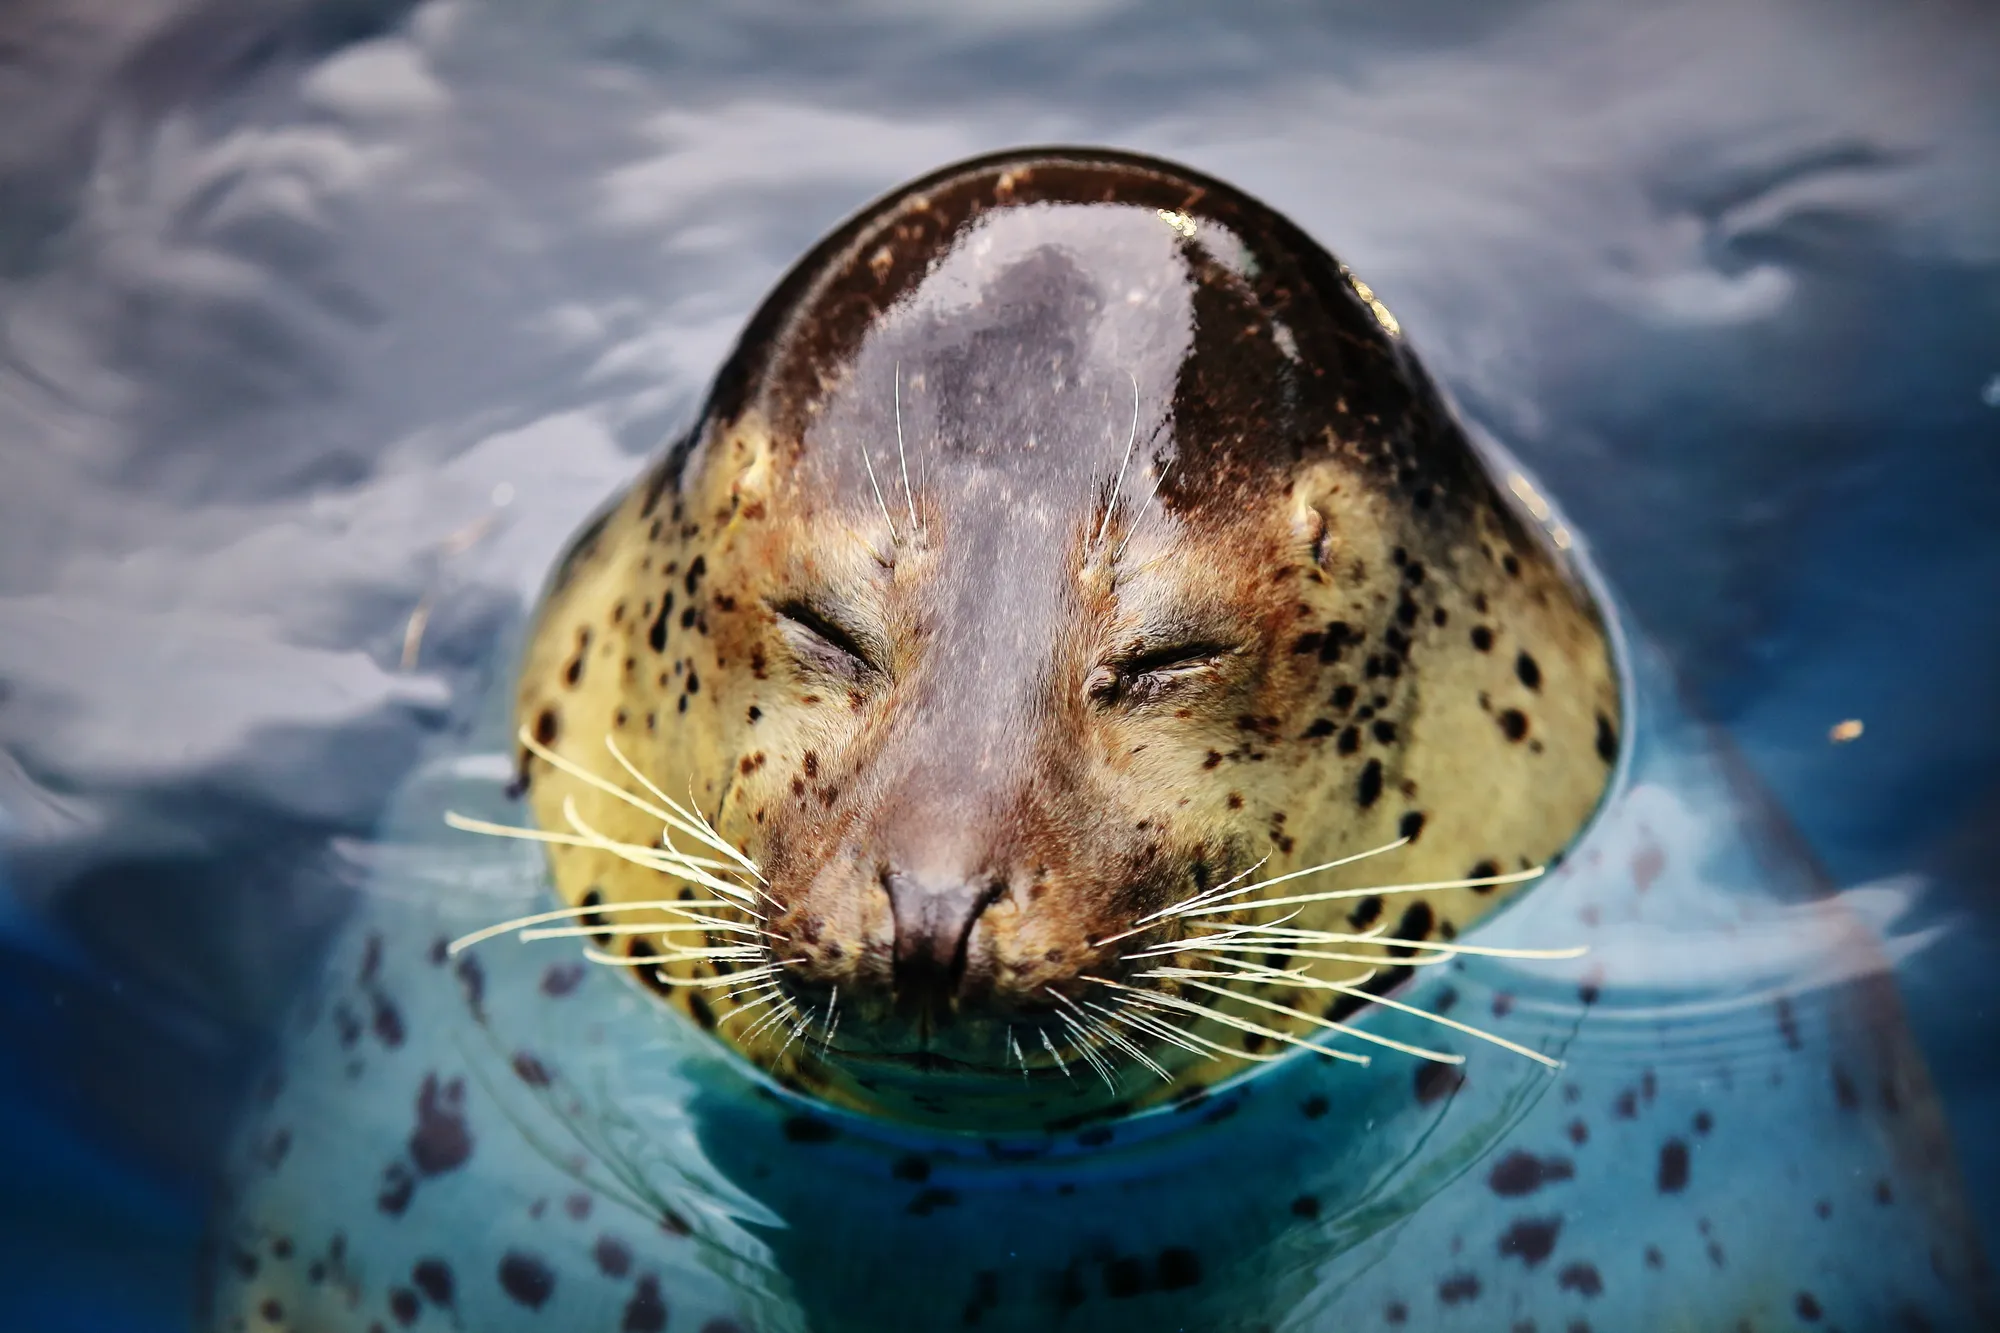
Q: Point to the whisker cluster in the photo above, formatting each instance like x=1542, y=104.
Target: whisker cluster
x=1206, y=974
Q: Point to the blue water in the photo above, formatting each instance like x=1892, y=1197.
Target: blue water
x=315, y=317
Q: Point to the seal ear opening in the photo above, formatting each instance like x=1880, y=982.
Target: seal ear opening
x=1317, y=495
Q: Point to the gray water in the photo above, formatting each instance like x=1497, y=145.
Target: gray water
x=324, y=324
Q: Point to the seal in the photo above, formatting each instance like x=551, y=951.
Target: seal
x=1080, y=611
x=1076, y=662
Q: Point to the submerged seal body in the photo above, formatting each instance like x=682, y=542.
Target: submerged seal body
x=1068, y=537
x=1076, y=661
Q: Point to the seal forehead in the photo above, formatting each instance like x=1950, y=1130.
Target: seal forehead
x=1026, y=296
x=1041, y=343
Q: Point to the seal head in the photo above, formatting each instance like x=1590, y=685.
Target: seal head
x=1070, y=563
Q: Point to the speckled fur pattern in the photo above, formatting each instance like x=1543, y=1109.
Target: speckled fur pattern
x=507, y=1138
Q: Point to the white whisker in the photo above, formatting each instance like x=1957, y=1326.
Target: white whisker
x=1151, y=1028
x=1444, y=951
x=1453, y=1023
x=656, y=860
x=1123, y=464
x=1151, y=495
x=464, y=942
x=765, y=996
x=1081, y=1045
x=902, y=457
x=1200, y=906
x=1332, y=1025
x=1110, y=1036
x=832, y=1016
x=1144, y=999
x=1378, y=890
x=1054, y=1053
x=1240, y=1024
x=880, y=503
x=697, y=826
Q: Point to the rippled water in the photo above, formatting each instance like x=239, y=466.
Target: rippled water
x=325, y=324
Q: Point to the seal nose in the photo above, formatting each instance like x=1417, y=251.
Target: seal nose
x=933, y=925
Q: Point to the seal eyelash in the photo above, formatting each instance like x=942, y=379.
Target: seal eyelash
x=822, y=642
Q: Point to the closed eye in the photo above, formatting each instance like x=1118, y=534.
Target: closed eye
x=1144, y=676
x=821, y=642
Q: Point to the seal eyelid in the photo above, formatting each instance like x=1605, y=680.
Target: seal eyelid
x=1143, y=676
x=1171, y=658
x=828, y=632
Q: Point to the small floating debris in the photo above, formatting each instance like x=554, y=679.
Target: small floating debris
x=1843, y=732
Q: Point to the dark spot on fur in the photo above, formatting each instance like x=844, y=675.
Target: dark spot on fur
x=1582, y=1278
x=1412, y=825
x=1365, y=912
x=1520, y=1173
x=561, y=978
x=1607, y=740
x=1530, y=1239
x=1308, y=643
x=398, y=1186
x=1417, y=923
x=613, y=1256
x=1673, y=1173
x=1385, y=731
x=1320, y=727
x=526, y=1279
x=441, y=1142
x=1459, y=1288
x=1369, y=789
x=1515, y=723
x=546, y=727
x=1350, y=740
x=1435, y=1082
x=1343, y=697
x=531, y=1069
x=646, y=1312
x=1482, y=638
x=656, y=633
x=433, y=1279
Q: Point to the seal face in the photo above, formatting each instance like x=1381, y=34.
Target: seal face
x=1076, y=648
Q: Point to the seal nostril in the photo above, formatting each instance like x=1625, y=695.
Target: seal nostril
x=933, y=929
